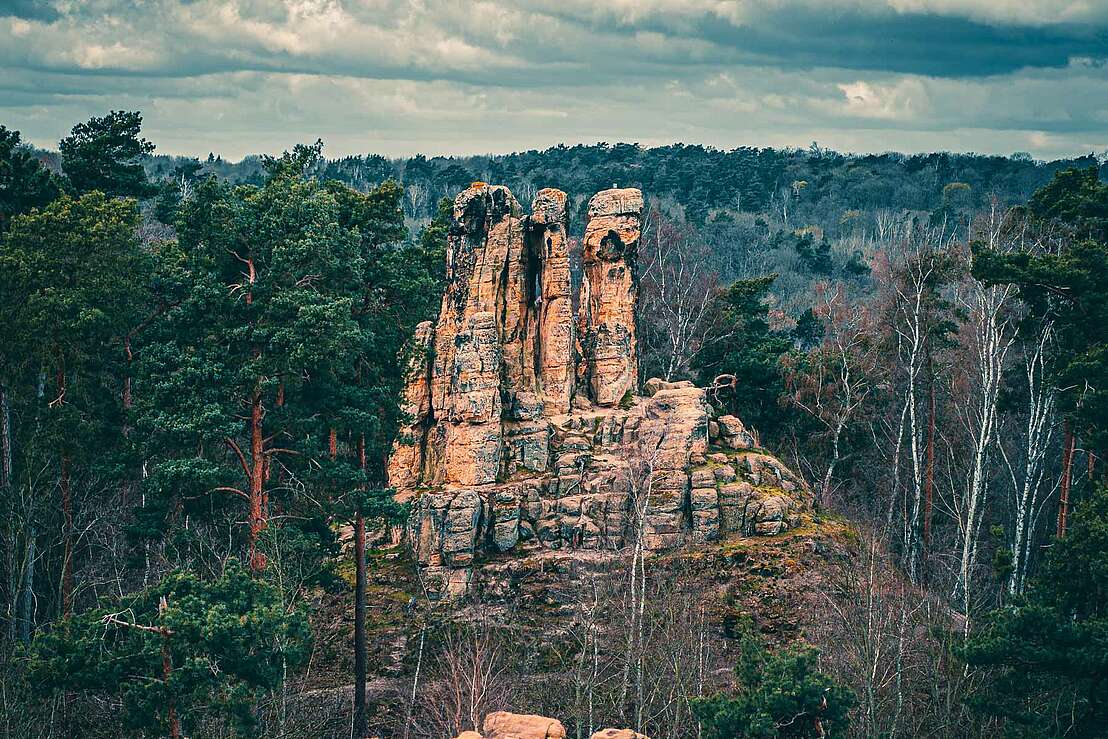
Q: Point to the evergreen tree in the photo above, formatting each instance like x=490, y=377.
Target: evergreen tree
x=742, y=343
x=1048, y=652
x=180, y=655
x=73, y=281
x=24, y=182
x=106, y=154
x=239, y=378
x=780, y=695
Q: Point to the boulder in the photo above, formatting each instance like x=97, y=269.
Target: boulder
x=504, y=725
x=618, y=734
x=654, y=384
x=733, y=434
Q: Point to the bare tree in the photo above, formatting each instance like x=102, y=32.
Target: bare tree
x=839, y=376
x=1027, y=482
x=675, y=287
x=470, y=679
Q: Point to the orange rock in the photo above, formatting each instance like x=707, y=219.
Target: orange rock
x=556, y=339
x=609, y=293
x=406, y=461
x=504, y=725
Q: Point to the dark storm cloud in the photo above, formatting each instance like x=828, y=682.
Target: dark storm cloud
x=39, y=10
x=910, y=43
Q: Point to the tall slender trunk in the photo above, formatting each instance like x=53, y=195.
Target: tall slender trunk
x=67, y=507
x=27, y=588
x=128, y=482
x=1068, y=445
x=359, y=610
x=5, y=439
x=5, y=488
x=257, y=481
x=259, y=468
x=67, y=555
x=929, y=476
x=167, y=672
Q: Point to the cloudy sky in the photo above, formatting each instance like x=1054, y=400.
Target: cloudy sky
x=470, y=76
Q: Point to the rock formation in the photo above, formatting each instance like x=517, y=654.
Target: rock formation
x=608, y=294
x=526, y=428
x=504, y=725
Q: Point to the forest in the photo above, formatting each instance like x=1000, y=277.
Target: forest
x=202, y=378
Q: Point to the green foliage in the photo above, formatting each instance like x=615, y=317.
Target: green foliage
x=780, y=695
x=106, y=154
x=228, y=640
x=1048, y=653
x=856, y=267
x=742, y=343
x=73, y=279
x=809, y=330
x=172, y=190
x=815, y=258
x=295, y=297
x=1069, y=288
x=1076, y=198
x=1003, y=558
x=24, y=182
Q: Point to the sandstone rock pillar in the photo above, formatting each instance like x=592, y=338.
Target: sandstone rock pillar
x=609, y=293
x=546, y=237
x=485, y=240
x=406, y=461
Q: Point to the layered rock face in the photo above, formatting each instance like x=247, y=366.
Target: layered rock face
x=527, y=429
x=608, y=294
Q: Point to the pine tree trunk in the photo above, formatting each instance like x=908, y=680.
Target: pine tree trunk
x=359, y=611
x=257, y=482
x=1068, y=445
x=167, y=672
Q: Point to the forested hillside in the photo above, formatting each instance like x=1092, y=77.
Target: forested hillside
x=202, y=377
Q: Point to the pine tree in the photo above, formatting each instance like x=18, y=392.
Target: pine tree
x=73, y=281
x=24, y=182
x=780, y=695
x=179, y=655
x=743, y=344
x=1047, y=653
x=106, y=154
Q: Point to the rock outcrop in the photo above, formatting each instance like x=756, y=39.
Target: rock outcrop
x=526, y=428
x=504, y=725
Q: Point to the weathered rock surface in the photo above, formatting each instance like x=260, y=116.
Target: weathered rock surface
x=523, y=440
x=608, y=294
x=406, y=461
x=548, y=240
x=504, y=725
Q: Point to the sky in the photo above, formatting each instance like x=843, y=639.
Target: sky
x=397, y=77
